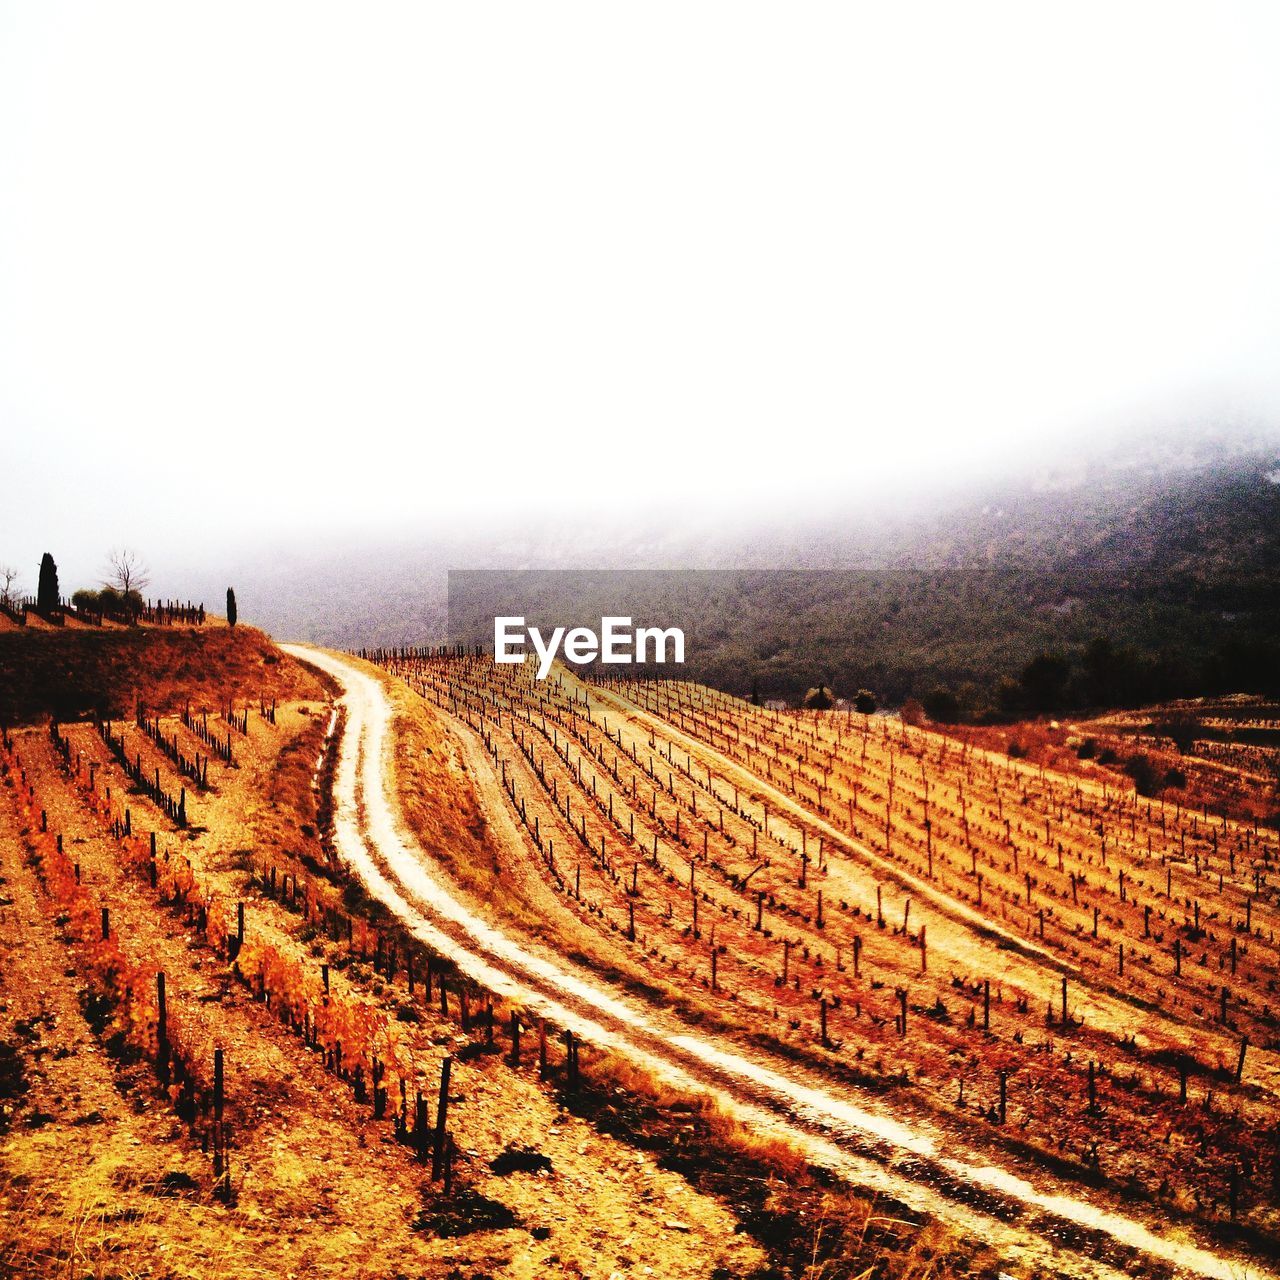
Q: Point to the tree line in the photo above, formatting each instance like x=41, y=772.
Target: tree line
x=118, y=596
x=1102, y=674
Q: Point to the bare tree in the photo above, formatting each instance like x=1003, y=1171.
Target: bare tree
x=126, y=572
x=8, y=576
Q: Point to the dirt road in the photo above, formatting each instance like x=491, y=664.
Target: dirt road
x=1041, y=1227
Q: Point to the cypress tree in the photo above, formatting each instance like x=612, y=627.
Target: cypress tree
x=231, y=608
x=47, y=596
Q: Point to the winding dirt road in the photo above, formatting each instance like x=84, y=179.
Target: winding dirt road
x=1044, y=1227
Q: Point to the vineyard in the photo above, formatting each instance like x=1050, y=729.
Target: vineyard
x=150, y=613
x=253, y=1031
x=1226, y=749
x=1058, y=972
x=245, y=1058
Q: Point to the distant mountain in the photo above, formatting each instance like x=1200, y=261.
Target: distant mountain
x=1169, y=548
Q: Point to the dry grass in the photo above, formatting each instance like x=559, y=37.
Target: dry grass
x=78, y=1233
x=69, y=673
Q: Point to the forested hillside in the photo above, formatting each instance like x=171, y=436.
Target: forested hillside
x=1141, y=577
x=1126, y=592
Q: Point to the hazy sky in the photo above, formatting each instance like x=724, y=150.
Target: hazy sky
x=292, y=267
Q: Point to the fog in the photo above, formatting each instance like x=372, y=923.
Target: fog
x=296, y=280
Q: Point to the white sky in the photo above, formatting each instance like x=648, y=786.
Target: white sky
x=280, y=267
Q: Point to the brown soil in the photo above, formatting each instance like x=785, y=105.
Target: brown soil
x=73, y=672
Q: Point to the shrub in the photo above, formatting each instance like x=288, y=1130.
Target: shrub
x=912, y=712
x=1145, y=777
x=941, y=705
x=1182, y=731
x=819, y=699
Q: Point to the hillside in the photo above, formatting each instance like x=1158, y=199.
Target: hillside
x=220, y=1055
x=1171, y=552
x=505, y=977
x=70, y=673
x=1053, y=974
